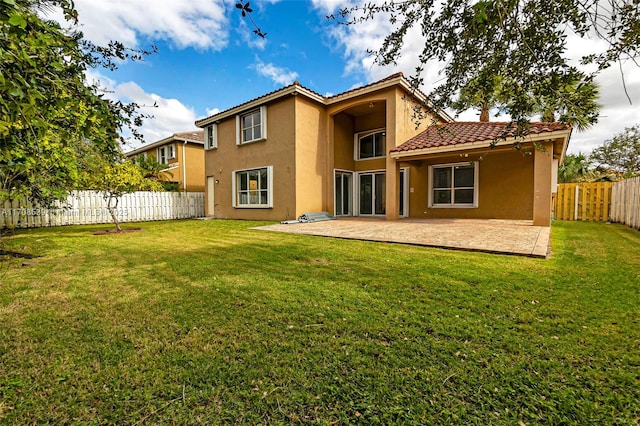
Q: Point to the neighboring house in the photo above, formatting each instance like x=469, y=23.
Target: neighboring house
x=360, y=153
x=183, y=154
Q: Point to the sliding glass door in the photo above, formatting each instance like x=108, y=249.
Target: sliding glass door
x=372, y=193
x=343, y=193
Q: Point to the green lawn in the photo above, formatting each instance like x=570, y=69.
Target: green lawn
x=210, y=322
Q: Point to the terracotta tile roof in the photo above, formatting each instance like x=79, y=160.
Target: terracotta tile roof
x=194, y=135
x=449, y=134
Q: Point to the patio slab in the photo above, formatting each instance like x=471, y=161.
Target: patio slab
x=491, y=236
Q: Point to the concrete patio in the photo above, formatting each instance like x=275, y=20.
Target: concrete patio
x=491, y=236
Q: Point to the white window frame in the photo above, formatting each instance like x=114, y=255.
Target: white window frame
x=234, y=189
x=167, y=151
x=452, y=166
x=263, y=125
x=161, y=155
x=211, y=136
x=359, y=136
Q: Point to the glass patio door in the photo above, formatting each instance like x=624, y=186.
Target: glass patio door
x=343, y=193
x=372, y=194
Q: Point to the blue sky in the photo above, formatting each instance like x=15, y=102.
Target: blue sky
x=209, y=60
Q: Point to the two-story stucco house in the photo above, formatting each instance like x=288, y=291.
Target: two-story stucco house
x=360, y=153
x=183, y=155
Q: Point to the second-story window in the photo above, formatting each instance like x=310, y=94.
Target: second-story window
x=211, y=133
x=252, y=126
x=166, y=153
x=371, y=145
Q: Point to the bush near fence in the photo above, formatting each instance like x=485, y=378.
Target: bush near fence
x=625, y=206
x=89, y=207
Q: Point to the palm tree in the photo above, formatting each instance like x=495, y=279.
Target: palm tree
x=575, y=168
x=574, y=102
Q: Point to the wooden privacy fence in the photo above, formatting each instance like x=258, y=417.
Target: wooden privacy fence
x=89, y=207
x=625, y=203
x=583, y=201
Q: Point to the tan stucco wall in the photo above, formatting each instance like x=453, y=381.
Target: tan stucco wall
x=310, y=157
x=194, y=164
x=505, y=190
x=344, y=128
x=277, y=151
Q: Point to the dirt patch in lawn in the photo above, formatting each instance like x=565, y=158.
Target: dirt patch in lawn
x=116, y=232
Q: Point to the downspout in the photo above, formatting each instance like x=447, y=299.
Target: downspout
x=184, y=166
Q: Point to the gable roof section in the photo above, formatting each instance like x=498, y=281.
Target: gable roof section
x=466, y=135
x=194, y=136
x=292, y=89
x=296, y=88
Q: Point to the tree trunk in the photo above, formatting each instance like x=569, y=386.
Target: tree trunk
x=484, y=114
x=548, y=116
x=112, y=211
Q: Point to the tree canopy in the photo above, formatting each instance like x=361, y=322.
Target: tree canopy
x=621, y=153
x=522, y=43
x=47, y=109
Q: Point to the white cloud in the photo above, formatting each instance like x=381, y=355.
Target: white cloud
x=169, y=116
x=212, y=111
x=201, y=24
x=279, y=75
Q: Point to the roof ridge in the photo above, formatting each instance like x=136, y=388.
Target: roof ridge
x=297, y=84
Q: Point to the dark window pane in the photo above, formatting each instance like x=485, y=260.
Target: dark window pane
x=263, y=178
x=463, y=196
x=366, y=147
x=442, y=197
x=380, y=144
x=243, y=182
x=442, y=177
x=463, y=176
x=263, y=197
x=366, y=194
x=338, y=192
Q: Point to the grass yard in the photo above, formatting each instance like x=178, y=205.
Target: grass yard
x=209, y=322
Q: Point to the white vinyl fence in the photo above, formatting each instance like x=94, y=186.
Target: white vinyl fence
x=89, y=207
x=625, y=202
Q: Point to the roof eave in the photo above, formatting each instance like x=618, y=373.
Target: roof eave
x=161, y=142
x=538, y=137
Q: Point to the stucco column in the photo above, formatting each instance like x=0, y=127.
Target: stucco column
x=542, y=175
x=392, y=166
x=329, y=143
x=392, y=189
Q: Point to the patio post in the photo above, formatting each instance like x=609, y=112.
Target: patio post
x=542, y=176
x=393, y=189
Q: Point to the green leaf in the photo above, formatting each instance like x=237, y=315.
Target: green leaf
x=18, y=20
